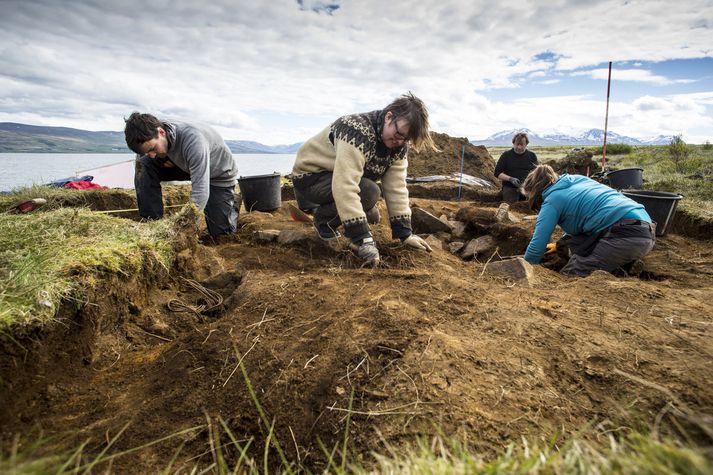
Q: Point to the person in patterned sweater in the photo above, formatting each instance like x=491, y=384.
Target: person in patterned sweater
x=338, y=169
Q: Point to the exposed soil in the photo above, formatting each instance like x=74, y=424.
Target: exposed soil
x=477, y=161
x=427, y=340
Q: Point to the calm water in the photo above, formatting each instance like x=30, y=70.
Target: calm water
x=25, y=169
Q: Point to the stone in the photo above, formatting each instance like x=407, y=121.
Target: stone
x=458, y=228
x=266, y=235
x=502, y=214
x=424, y=222
x=291, y=236
x=479, y=245
x=434, y=242
x=455, y=247
x=517, y=269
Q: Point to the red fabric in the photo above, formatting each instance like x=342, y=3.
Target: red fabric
x=82, y=185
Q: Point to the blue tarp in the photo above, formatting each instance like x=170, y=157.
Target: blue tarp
x=63, y=181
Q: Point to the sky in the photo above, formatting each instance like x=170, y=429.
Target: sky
x=279, y=71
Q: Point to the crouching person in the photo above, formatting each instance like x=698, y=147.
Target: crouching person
x=605, y=229
x=338, y=170
x=177, y=151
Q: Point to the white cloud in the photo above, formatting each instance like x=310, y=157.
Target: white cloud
x=276, y=72
x=638, y=75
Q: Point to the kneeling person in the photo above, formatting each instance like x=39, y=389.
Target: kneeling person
x=605, y=229
x=177, y=151
x=338, y=169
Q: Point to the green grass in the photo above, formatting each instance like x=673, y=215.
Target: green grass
x=46, y=257
x=634, y=454
x=613, y=149
x=631, y=454
x=693, y=179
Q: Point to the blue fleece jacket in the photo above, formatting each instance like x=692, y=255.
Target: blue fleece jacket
x=579, y=205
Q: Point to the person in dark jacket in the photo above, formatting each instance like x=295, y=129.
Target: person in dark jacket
x=513, y=166
x=605, y=229
x=177, y=151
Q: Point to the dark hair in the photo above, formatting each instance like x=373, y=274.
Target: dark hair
x=140, y=128
x=413, y=110
x=519, y=136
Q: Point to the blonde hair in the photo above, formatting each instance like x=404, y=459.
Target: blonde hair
x=536, y=182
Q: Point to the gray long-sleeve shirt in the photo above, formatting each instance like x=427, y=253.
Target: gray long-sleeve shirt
x=200, y=151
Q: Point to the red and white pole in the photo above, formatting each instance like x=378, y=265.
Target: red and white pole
x=606, y=121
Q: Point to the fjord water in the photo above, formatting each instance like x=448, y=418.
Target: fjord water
x=25, y=169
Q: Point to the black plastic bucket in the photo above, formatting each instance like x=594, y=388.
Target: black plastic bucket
x=260, y=192
x=625, y=178
x=660, y=205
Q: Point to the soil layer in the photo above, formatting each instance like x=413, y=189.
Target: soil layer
x=426, y=342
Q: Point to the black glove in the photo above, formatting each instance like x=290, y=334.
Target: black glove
x=514, y=182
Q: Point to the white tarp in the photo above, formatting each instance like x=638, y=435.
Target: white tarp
x=116, y=175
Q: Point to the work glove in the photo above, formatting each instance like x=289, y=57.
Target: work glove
x=417, y=243
x=514, y=182
x=367, y=251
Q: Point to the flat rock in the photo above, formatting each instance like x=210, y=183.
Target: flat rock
x=517, y=269
x=477, y=246
x=455, y=247
x=291, y=236
x=424, y=222
x=502, y=214
x=458, y=228
x=434, y=242
x=266, y=235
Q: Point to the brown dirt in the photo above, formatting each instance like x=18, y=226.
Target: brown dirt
x=477, y=160
x=576, y=162
x=426, y=341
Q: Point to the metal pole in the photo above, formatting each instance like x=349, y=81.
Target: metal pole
x=606, y=121
x=460, y=184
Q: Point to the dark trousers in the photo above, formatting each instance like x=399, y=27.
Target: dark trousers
x=624, y=242
x=512, y=194
x=317, y=188
x=221, y=214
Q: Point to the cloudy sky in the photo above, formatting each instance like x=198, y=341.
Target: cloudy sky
x=278, y=71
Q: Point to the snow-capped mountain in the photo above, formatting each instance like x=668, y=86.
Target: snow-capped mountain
x=589, y=137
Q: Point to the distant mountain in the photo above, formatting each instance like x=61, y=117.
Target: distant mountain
x=21, y=138
x=246, y=146
x=590, y=137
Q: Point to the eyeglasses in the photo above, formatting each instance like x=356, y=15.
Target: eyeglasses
x=398, y=135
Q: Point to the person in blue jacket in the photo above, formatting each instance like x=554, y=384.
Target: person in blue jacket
x=605, y=229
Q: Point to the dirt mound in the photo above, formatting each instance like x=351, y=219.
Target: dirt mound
x=426, y=339
x=477, y=160
x=577, y=161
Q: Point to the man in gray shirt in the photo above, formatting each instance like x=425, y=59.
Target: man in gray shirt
x=176, y=151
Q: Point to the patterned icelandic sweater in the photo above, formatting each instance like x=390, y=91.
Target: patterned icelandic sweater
x=351, y=148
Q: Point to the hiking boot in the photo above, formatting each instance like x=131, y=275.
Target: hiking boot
x=325, y=231
x=636, y=267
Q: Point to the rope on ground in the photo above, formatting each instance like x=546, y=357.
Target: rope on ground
x=212, y=300
x=109, y=211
